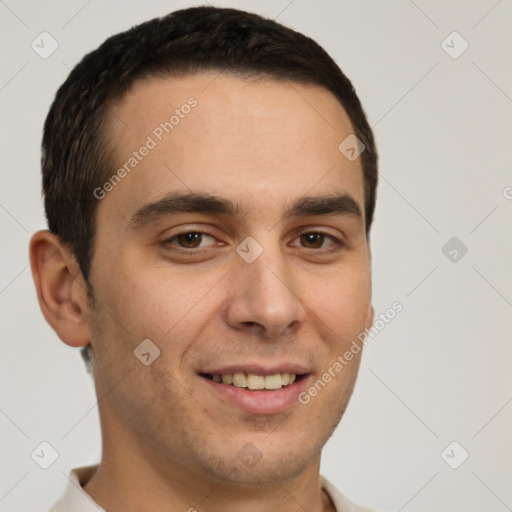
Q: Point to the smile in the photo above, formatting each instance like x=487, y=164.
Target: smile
x=253, y=381
x=256, y=391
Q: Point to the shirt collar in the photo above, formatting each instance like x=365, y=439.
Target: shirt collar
x=77, y=500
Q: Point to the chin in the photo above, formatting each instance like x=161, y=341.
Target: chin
x=262, y=459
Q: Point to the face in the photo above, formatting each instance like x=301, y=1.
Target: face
x=251, y=282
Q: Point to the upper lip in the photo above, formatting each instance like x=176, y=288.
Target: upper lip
x=257, y=369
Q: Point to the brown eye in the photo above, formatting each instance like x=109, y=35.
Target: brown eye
x=312, y=240
x=188, y=240
x=319, y=243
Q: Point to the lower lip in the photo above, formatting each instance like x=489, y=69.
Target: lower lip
x=259, y=402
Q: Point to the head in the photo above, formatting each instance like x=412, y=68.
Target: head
x=196, y=197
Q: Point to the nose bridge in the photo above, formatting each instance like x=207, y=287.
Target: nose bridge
x=264, y=290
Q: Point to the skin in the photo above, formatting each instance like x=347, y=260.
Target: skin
x=167, y=439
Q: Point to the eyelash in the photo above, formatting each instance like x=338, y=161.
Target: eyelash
x=337, y=244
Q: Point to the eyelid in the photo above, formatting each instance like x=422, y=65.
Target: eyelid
x=168, y=240
x=337, y=242
x=187, y=228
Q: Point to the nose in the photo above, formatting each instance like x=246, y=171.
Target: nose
x=262, y=297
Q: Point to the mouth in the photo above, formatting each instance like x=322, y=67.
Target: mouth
x=256, y=391
x=253, y=381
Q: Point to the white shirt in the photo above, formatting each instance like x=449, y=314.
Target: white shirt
x=75, y=499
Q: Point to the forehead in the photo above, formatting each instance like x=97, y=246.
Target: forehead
x=263, y=142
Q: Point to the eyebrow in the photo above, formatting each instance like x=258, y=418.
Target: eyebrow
x=179, y=202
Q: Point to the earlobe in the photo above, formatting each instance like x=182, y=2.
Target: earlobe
x=60, y=287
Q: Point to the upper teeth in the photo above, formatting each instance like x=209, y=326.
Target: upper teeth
x=253, y=381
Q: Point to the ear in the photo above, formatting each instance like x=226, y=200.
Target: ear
x=61, y=289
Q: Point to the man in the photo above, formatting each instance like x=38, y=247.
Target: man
x=209, y=182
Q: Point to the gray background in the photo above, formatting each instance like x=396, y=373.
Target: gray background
x=439, y=372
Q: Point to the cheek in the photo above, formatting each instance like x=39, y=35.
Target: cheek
x=342, y=304
x=159, y=303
